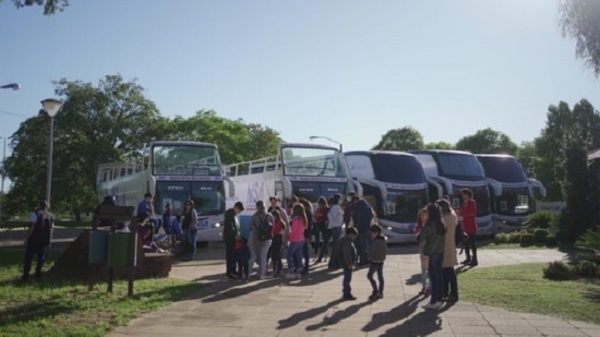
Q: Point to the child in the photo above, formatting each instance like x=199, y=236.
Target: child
x=241, y=254
x=376, y=254
x=421, y=221
x=348, y=259
x=296, y=240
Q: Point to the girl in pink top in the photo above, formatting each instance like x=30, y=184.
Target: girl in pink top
x=296, y=240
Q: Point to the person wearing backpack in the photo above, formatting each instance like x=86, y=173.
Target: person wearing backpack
x=262, y=230
x=38, y=240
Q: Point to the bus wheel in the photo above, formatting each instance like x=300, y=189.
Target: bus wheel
x=201, y=244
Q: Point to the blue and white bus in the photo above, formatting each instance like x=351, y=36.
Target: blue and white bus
x=304, y=170
x=174, y=172
x=448, y=172
x=513, y=197
x=395, y=185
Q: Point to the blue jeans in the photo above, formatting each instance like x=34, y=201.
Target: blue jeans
x=436, y=277
x=294, y=256
x=347, y=289
x=189, y=244
x=376, y=268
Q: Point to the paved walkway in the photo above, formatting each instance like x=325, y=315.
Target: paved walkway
x=312, y=306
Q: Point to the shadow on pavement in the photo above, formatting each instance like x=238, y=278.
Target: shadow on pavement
x=338, y=316
x=423, y=323
x=310, y=313
x=398, y=313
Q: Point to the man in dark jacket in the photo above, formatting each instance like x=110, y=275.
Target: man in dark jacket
x=38, y=239
x=231, y=233
x=362, y=215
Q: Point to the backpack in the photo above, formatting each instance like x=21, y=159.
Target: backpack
x=42, y=230
x=265, y=229
x=460, y=237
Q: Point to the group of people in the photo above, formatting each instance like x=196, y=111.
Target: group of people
x=274, y=230
x=437, y=232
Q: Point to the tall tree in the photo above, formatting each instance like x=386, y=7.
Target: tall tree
x=108, y=122
x=487, y=141
x=580, y=20
x=401, y=139
x=50, y=6
x=237, y=140
x=565, y=129
x=527, y=154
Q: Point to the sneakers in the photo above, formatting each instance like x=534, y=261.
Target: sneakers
x=375, y=296
x=473, y=263
x=432, y=306
x=349, y=297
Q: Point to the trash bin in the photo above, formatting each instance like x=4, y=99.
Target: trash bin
x=98, y=247
x=119, y=247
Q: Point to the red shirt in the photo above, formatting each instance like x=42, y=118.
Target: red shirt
x=468, y=211
x=277, y=227
x=321, y=215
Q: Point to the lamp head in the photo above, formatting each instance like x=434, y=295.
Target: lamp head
x=51, y=106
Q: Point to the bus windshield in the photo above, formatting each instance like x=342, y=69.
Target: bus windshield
x=313, y=162
x=503, y=169
x=403, y=206
x=513, y=201
x=398, y=169
x=185, y=160
x=460, y=166
x=208, y=196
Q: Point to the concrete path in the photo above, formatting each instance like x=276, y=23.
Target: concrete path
x=312, y=306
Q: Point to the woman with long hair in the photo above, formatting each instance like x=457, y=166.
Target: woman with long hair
x=433, y=236
x=450, y=258
x=424, y=259
x=189, y=219
x=321, y=229
x=296, y=239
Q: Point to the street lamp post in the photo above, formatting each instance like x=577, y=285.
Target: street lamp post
x=2, y=180
x=329, y=139
x=51, y=106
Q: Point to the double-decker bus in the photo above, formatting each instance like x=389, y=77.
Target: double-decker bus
x=395, y=185
x=513, y=199
x=448, y=172
x=174, y=172
x=304, y=170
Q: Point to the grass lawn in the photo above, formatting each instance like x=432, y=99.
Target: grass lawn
x=522, y=288
x=52, y=308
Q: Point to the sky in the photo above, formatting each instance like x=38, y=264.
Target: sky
x=345, y=69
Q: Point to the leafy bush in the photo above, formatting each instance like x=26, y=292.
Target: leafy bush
x=543, y=219
x=527, y=239
x=586, y=268
x=540, y=235
x=515, y=237
x=551, y=241
x=501, y=238
x=590, y=240
x=558, y=271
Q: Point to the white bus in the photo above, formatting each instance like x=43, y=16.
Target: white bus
x=395, y=185
x=174, y=172
x=448, y=172
x=513, y=199
x=305, y=170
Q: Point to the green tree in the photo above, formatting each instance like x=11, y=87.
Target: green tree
x=580, y=20
x=565, y=128
x=487, y=141
x=50, y=6
x=237, y=140
x=439, y=146
x=527, y=154
x=402, y=139
x=108, y=122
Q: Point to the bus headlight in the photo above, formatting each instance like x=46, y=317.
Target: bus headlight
x=217, y=225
